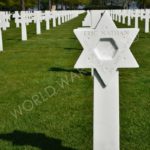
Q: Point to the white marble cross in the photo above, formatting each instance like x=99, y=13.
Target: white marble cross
x=136, y=16
x=23, y=21
x=147, y=18
x=37, y=20
x=123, y=16
x=129, y=17
x=16, y=16
x=3, y=26
x=1, y=41
x=62, y=17
x=7, y=19
x=119, y=15
x=142, y=12
x=59, y=18
x=106, y=49
x=47, y=19
x=54, y=19
x=66, y=17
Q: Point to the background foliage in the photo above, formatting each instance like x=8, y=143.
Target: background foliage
x=70, y=4
x=25, y=4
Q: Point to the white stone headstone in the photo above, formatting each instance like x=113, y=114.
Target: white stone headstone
x=106, y=49
x=62, y=17
x=54, y=19
x=119, y=16
x=87, y=20
x=123, y=16
x=3, y=26
x=142, y=11
x=95, y=17
x=1, y=41
x=37, y=20
x=147, y=18
x=23, y=20
x=47, y=19
x=136, y=18
x=59, y=19
x=129, y=17
x=16, y=16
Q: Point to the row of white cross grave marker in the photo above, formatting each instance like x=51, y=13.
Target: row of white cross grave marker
x=142, y=14
x=4, y=24
x=123, y=16
x=105, y=49
x=24, y=18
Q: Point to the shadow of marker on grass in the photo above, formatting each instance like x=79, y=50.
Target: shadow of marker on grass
x=9, y=39
x=59, y=69
x=38, y=140
x=71, y=49
x=72, y=38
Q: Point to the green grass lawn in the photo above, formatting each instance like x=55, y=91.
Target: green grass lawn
x=135, y=96
x=47, y=105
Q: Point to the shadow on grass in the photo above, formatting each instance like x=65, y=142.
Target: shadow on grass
x=58, y=69
x=38, y=140
x=73, y=49
x=13, y=39
x=73, y=38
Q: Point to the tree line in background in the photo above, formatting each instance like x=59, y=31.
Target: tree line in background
x=67, y=4
x=112, y=4
x=146, y=3
x=40, y=4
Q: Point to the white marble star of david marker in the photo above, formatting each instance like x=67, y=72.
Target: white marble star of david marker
x=106, y=48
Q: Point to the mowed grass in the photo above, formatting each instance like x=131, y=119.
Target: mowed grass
x=54, y=103
x=135, y=96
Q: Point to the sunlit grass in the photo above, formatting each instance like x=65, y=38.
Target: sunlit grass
x=64, y=120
